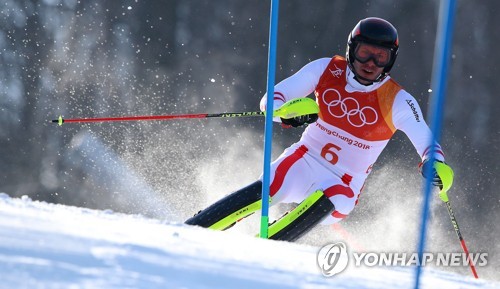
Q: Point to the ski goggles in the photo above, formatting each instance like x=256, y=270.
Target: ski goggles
x=381, y=56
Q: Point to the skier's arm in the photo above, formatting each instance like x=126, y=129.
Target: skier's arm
x=300, y=84
x=407, y=117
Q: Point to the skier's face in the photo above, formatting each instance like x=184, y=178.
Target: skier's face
x=369, y=61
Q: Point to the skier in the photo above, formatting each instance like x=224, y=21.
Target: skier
x=360, y=108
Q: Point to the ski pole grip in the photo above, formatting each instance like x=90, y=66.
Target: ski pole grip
x=445, y=173
x=297, y=107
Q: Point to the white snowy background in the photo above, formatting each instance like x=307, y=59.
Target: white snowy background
x=46, y=245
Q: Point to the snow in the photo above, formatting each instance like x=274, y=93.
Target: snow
x=46, y=245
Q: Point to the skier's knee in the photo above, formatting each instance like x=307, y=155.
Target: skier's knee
x=344, y=200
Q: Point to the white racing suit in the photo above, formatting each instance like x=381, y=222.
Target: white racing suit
x=336, y=153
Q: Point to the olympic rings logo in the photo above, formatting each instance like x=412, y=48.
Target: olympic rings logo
x=357, y=116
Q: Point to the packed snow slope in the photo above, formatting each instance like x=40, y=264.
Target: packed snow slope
x=54, y=246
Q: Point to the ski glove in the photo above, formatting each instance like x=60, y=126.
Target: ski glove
x=299, y=120
x=425, y=167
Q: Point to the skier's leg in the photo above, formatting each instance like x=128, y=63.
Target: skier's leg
x=289, y=183
x=301, y=219
x=328, y=206
x=344, y=199
x=230, y=209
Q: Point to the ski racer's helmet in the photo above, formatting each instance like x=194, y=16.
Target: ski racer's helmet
x=374, y=31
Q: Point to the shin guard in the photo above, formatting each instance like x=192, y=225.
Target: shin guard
x=230, y=209
x=302, y=219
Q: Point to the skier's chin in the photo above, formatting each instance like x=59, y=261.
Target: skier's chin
x=366, y=78
x=368, y=74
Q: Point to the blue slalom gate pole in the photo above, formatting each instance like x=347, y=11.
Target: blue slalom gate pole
x=268, y=130
x=442, y=51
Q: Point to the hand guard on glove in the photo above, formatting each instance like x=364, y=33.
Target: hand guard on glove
x=430, y=168
x=299, y=120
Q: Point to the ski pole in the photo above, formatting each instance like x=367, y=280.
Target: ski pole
x=446, y=175
x=292, y=108
x=462, y=241
x=62, y=120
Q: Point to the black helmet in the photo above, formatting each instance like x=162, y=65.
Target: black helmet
x=374, y=31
